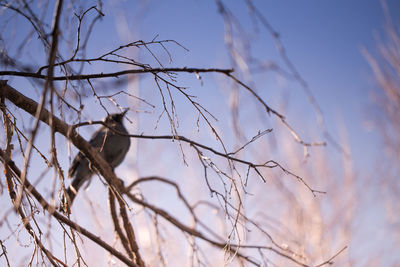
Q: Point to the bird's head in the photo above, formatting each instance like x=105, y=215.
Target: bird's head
x=116, y=117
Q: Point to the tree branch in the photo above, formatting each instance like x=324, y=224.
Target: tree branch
x=63, y=128
x=52, y=210
x=112, y=74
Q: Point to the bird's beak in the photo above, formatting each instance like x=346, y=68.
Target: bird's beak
x=126, y=111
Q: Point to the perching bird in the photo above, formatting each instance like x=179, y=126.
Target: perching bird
x=111, y=146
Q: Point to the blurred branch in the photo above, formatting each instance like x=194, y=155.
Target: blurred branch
x=296, y=74
x=280, y=117
x=36, y=24
x=240, y=47
x=52, y=53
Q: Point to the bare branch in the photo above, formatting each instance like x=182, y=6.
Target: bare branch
x=112, y=74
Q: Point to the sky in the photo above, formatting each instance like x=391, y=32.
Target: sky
x=323, y=39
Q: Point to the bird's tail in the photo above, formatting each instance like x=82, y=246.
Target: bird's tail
x=69, y=196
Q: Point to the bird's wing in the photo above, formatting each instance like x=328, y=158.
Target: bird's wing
x=96, y=141
x=98, y=138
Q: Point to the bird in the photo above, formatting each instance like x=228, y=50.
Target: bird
x=111, y=141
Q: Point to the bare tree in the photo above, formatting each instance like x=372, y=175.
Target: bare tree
x=218, y=212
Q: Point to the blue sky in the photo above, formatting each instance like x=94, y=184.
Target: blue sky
x=323, y=39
